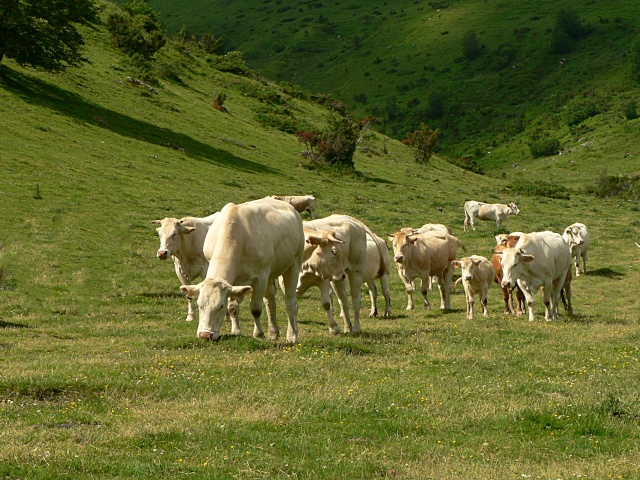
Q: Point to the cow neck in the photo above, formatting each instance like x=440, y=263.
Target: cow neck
x=228, y=251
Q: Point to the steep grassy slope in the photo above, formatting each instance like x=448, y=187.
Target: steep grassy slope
x=403, y=61
x=100, y=377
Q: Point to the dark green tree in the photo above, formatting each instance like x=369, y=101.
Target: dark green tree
x=568, y=29
x=42, y=33
x=471, y=45
x=423, y=142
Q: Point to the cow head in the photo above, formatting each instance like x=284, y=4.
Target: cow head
x=514, y=209
x=402, y=243
x=468, y=266
x=572, y=236
x=213, y=297
x=325, y=255
x=170, y=232
x=501, y=239
x=512, y=261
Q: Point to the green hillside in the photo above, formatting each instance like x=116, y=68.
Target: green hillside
x=403, y=63
x=101, y=377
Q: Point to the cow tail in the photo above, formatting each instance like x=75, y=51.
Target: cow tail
x=461, y=245
x=381, y=266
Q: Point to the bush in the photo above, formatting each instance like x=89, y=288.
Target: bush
x=630, y=110
x=568, y=28
x=232, y=62
x=136, y=29
x=540, y=189
x=625, y=186
x=544, y=147
x=579, y=110
x=337, y=144
x=422, y=142
x=471, y=46
x=504, y=56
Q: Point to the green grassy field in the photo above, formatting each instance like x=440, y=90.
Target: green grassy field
x=101, y=377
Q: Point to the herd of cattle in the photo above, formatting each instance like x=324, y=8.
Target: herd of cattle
x=246, y=248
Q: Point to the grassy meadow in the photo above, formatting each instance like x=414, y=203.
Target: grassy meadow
x=101, y=377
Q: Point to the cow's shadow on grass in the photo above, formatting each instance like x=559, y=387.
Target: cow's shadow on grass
x=5, y=324
x=39, y=92
x=605, y=272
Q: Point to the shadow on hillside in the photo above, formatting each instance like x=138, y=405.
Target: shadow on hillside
x=604, y=272
x=4, y=324
x=38, y=92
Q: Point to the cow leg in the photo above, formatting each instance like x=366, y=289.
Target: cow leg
x=508, y=300
x=584, y=262
x=445, y=286
x=520, y=298
x=373, y=295
x=567, y=293
x=233, y=309
x=289, y=281
x=191, y=314
x=484, y=294
x=386, y=292
x=343, y=299
x=470, y=302
x=410, y=287
x=327, y=304
x=270, y=300
x=355, y=284
x=311, y=214
x=548, y=294
x=529, y=299
x=424, y=289
x=255, y=305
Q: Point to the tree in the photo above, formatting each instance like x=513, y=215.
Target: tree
x=42, y=33
x=634, y=60
x=423, y=142
x=568, y=28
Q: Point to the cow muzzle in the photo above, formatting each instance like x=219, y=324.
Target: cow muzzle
x=207, y=335
x=399, y=258
x=163, y=254
x=507, y=284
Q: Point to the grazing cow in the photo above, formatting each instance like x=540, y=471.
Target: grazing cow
x=577, y=236
x=503, y=241
x=487, y=211
x=336, y=250
x=249, y=246
x=419, y=255
x=477, y=277
x=378, y=266
x=539, y=259
x=302, y=203
x=182, y=241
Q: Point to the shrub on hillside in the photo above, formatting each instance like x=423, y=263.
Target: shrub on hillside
x=539, y=188
x=579, y=110
x=568, y=28
x=471, y=45
x=624, y=186
x=630, y=110
x=422, y=142
x=232, y=62
x=505, y=54
x=544, y=147
x=634, y=60
x=136, y=30
x=337, y=144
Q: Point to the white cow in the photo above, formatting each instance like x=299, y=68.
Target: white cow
x=182, y=241
x=419, y=255
x=577, y=236
x=497, y=212
x=302, y=203
x=433, y=227
x=477, y=277
x=336, y=250
x=378, y=266
x=249, y=246
x=539, y=259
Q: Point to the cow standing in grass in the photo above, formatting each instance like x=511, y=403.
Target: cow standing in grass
x=249, y=246
x=497, y=212
x=477, y=277
x=539, y=259
x=578, y=238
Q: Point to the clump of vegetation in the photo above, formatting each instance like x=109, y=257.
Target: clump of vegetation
x=136, y=30
x=544, y=147
x=539, y=188
x=505, y=54
x=423, y=142
x=579, y=110
x=630, y=110
x=281, y=119
x=335, y=145
x=471, y=45
x=232, y=62
x=634, y=60
x=568, y=29
x=624, y=186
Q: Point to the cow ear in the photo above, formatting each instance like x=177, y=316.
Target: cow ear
x=191, y=291
x=238, y=293
x=411, y=238
x=391, y=237
x=185, y=229
x=527, y=258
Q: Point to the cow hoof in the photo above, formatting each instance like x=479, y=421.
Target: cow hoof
x=190, y=319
